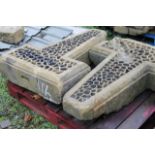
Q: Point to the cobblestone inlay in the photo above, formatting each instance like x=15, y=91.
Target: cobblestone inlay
x=131, y=56
x=51, y=57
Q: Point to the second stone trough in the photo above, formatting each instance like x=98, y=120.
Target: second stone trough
x=125, y=69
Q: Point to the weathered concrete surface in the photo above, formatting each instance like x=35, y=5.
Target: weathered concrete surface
x=133, y=30
x=11, y=34
x=52, y=71
x=128, y=69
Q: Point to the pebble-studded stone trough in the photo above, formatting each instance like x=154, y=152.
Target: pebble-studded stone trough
x=61, y=73
x=53, y=70
x=127, y=70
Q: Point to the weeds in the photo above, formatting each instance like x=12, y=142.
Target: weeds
x=12, y=110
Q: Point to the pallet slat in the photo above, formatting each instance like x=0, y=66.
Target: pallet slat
x=115, y=119
x=140, y=115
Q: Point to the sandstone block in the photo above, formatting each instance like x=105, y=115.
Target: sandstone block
x=133, y=30
x=121, y=29
x=11, y=34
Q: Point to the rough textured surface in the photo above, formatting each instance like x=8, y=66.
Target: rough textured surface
x=5, y=124
x=133, y=30
x=50, y=58
x=126, y=72
x=11, y=34
x=52, y=71
x=46, y=61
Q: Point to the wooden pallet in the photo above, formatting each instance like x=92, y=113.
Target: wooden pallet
x=133, y=116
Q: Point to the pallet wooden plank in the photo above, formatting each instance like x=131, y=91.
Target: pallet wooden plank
x=113, y=120
x=150, y=123
x=140, y=115
x=53, y=114
x=57, y=116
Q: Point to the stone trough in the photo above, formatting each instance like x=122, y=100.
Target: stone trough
x=126, y=68
x=51, y=71
x=61, y=73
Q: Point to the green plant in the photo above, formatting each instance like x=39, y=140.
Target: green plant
x=12, y=110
